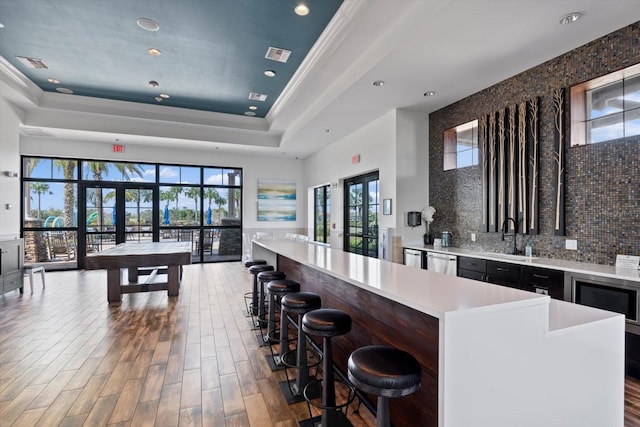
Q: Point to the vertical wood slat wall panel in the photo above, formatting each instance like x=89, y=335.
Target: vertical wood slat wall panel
x=509, y=147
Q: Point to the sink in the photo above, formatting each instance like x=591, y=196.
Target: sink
x=507, y=256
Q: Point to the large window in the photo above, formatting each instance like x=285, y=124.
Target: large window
x=322, y=213
x=75, y=207
x=606, y=108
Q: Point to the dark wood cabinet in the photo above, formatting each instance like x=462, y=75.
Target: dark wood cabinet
x=472, y=268
x=503, y=273
x=543, y=281
x=525, y=277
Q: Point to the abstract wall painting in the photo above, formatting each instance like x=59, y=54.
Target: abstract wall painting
x=276, y=200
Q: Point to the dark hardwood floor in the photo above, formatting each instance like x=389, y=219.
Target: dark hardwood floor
x=68, y=359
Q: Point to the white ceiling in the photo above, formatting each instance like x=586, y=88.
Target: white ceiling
x=453, y=47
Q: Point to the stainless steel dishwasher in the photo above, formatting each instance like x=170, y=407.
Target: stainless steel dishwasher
x=413, y=258
x=442, y=263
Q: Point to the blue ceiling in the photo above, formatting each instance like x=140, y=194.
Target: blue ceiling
x=212, y=51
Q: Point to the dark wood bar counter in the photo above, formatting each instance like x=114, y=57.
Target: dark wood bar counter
x=490, y=355
x=377, y=320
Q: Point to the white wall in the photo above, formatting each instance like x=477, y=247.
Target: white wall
x=395, y=144
x=10, y=118
x=254, y=168
x=412, y=180
x=375, y=143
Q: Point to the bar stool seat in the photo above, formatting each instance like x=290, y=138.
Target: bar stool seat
x=386, y=372
x=298, y=303
x=327, y=323
x=252, y=262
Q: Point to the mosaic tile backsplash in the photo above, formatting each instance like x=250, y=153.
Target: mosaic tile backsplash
x=602, y=180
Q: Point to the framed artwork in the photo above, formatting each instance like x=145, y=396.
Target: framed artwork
x=276, y=200
x=386, y=207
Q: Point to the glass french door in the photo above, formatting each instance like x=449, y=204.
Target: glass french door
x=116, y=213
x=361, y=214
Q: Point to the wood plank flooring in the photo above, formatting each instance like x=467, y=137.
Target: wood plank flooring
x=68, y=359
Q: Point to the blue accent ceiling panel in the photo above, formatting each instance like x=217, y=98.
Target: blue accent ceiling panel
x=213, y=51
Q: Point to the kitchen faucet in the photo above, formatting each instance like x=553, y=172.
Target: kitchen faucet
x=515, y=233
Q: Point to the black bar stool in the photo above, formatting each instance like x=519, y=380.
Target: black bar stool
x=261, y=321
x=255, y=270
x=248, y=297
x=299, y=303
x=327, y=323
x=386, y=372
x=278, y=289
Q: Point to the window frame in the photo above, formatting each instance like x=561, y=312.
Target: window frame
x=451, y=146
x=325, y=206
x=578, y=94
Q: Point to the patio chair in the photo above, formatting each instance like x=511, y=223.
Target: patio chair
x=61, y=244
x=186, y=236
x=207, y=242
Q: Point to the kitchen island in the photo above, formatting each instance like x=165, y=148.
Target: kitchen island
x=491, y=355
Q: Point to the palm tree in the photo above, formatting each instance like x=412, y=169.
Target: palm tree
x=171, y=195
x=98, y=169
x=194, y=193
x=220, y=201
x=40, y=188
x=68, y=172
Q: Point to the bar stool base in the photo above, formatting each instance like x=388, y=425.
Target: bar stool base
x=263, y=340
x=272, y=364
x=286, y=386
x=341, y=421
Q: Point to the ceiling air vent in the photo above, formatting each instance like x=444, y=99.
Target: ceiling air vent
x=278, y=54
x=257, y=96
x=35, y=132
x=32, y=62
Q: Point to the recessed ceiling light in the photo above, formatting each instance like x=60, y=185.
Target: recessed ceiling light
x=164, y=96
x=378, y=83
x=301, y=9
x=154, y=51
x=249, y=113
x=54, y=81
x=570, y=17
x=153, y=83
x=64, y=90
x=429, y=93
x=148, y=24
x=270, y=73
x=252, y=107
x=1, y=25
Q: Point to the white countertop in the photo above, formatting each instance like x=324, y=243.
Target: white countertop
x=554, y=264
x=432, y=293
